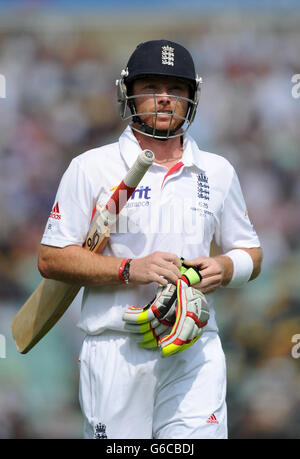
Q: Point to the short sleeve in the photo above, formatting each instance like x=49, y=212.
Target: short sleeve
x=70, y=216
x=234, y=228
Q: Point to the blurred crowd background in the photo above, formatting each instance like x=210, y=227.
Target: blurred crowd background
x=60, y=71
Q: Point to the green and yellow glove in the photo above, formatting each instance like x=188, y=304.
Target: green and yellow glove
x=155, y=319
x=192, y=314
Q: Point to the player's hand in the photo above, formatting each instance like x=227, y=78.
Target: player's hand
x=212, y=273
x=157, y=318
x=160, y=267
x=192, y=314
x=154, y=320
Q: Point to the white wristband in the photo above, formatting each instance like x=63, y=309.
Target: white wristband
x=242, y=267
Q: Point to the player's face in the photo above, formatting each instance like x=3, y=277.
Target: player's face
x=162, y=103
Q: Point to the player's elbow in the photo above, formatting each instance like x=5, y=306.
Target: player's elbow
x=257, y=257
x=45, y=264
x=43, y=267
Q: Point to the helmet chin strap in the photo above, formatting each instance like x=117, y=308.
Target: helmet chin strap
x=163, y=134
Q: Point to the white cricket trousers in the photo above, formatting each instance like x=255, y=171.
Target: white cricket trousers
x=127, y=392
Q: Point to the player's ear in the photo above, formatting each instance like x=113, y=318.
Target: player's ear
x=129, y=87
x=129, y=92
x=122, y=96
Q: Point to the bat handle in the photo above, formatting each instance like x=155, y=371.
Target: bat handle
x=107, y=218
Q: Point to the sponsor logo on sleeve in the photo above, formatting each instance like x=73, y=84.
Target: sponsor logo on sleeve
x=55, y=213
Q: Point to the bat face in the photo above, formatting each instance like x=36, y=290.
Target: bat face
x=42, y=310
x=51, y=298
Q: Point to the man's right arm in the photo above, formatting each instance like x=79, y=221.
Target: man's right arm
x=75, y=265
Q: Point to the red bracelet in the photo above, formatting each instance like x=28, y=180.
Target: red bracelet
x=121, y=270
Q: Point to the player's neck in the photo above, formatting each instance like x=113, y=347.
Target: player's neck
x=167, y=152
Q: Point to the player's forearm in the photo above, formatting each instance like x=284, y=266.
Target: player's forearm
x=78, y=266
x=227, y=264
x=257, y=256
x=227, y=268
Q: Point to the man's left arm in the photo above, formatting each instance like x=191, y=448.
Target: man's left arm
x=239, y=256
x=218, y=271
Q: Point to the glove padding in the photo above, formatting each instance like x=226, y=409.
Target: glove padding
x=157, y=318
x=154, y=320
x=192, y=314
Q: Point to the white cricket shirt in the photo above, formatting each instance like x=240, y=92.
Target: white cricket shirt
x=178, y=211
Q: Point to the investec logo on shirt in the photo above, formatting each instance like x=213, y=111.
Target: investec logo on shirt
x=140, y=197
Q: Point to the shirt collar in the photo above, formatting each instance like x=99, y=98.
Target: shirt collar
x=130, y=149
x=129, y=146
x=192, y=155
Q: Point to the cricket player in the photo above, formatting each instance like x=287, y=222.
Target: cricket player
x=152, y=366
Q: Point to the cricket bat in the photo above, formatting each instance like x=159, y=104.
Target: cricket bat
x=51, y=298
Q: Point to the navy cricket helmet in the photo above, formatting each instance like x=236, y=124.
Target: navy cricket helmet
x=158, y=58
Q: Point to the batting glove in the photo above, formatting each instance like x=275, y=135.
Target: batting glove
x=192, y=314
x=154, y=320
x=157, y=318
